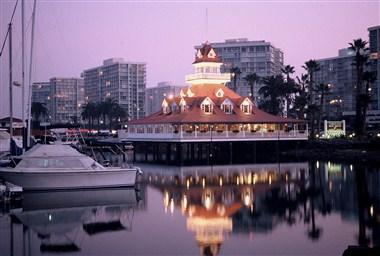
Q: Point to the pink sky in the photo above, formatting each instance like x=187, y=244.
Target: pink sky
x=75, y=35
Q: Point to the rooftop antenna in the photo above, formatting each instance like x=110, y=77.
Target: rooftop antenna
x=206, y=30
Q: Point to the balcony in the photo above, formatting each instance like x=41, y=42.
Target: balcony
x=207, y=77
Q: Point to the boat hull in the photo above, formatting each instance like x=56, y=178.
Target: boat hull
x=70, y=180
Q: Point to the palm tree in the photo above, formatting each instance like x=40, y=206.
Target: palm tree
x=322, y=89
x=359, y=46
x=287, y=70
x=252, y=79
x=272, y=91
x=88, y=113
x=235, y=73
x=311, y=67
x=117, y=113
x=38, y=109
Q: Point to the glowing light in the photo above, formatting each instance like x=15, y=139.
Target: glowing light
x=171, y=96
x=330, y=185
x=184, y=203
x=208, y=202
x=254, y=178
x=171, y=205
x=247, y=199
x=237, y=181
x=317, y=164
x=351, y=167
x=187, y=184
x=203, y=182
x=50, y=217
x=270, y=180
x=371, y=210
x=220, y=181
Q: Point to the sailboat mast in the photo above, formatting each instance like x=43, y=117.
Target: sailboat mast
x=23, y=73
x=10, y=83
x=30, y=75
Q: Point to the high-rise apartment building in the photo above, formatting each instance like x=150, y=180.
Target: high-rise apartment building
x=155, y=95
x=41, y=93
x=258, y=57
x=122, y=81
x=63, y=98
x=340, y=74
x=374, y=49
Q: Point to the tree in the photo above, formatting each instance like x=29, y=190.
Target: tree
x=38, y=109
x=252, y=79
x=235, y=73
x=117, y=113
x=272, y=92
x=322, y=90
x=311, y=67
x=289, y=88
x=359, y=47
x=89, y=113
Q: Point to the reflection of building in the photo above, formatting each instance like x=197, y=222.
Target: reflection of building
x=214, y=198
x=209, y=111
x=155, y=95
x=258, y=57
x=119, y=80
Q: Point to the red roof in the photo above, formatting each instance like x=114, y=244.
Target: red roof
x=205, y=50
x=194, y=113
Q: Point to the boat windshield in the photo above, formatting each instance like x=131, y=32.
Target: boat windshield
x=52, y=162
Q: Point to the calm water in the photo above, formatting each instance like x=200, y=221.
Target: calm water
x=267, y=209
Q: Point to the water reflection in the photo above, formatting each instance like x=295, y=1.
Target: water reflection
x=61, y=220
x=248, y=199
x=281, y=208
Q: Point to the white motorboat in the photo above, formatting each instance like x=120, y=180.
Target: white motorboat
x=46, y=167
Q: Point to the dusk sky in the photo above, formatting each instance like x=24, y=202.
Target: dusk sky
x=75, y=35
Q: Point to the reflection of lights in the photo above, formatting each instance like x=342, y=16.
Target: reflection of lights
x=187, y=184
x=270, y=179
x=247, y=199
x=208, y=202
x=171, y=205
x=184, y=203
x=286, y=176
x=254, y=178
x=166, y=200
x=50, y=217
x=220, y=181
x=203, y=182
x=371, y=210
x=237, y=181
x=329, y=164
x=249, y=179
x=317, y=164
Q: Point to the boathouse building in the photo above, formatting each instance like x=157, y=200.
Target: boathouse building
x=210, y=123
x=207, y=110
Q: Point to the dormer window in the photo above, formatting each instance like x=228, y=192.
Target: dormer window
x=182, y=105
x=207, y=106
x=227, y=106
x=165, y=107
x=246, y=106
x=189, y=93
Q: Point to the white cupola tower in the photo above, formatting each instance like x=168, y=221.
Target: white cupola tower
x=207, y=68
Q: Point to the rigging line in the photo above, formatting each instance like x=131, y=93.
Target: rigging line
x=6, y=36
